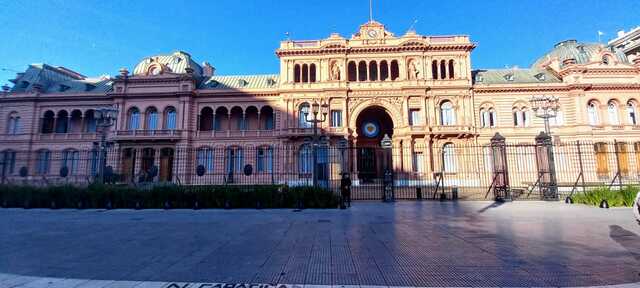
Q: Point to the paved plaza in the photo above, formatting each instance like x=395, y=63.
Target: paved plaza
x=400, y=244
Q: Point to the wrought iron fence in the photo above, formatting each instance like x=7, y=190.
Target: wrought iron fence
x=518, y=171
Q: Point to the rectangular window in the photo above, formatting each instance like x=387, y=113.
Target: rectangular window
x=336, y=118
x=8, y=162
x=205, y=158
x=42, y=162
x=414, y=117
x=418, y=162
x=602, y=166
x=264, y=163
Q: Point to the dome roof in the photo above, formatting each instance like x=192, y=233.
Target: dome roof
x=582, y=53
x=178, y=62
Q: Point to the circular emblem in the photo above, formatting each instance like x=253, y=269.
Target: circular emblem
x=372, y=33
x=370, y=129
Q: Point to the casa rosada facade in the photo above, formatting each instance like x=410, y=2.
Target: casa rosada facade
x=420, y=90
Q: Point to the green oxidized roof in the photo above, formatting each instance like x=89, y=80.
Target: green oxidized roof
x=513, y=76
x=581, y=52
x=58, y=80
x=264, y=81
x=177, y=62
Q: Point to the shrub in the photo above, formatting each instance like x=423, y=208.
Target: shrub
x=155, y=196
x=615, y=198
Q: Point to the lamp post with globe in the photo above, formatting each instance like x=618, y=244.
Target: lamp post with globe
x=105, y=118
x=315, y=110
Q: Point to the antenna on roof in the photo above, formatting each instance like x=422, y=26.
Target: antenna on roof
x=370, y=10
x=412, y=27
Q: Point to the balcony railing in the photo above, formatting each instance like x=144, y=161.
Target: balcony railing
x=234, y=133
x=148, y=134
x=68, y=136
x=451, y=129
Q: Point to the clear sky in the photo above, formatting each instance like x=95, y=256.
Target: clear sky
x=239, y=37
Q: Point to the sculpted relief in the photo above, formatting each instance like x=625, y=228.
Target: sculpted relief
x=412, y=70
x=335, y=71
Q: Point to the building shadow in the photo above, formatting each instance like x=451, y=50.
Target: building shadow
x=627, y=239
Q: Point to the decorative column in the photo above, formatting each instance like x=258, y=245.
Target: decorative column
x=500, y=179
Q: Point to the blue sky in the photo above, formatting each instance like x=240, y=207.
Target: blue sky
x=239, y=37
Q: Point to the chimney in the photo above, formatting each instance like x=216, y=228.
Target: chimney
x=207, y=69
x=124, y=72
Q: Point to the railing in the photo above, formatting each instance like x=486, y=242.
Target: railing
x=164, y=133
x=234, y=133
x=451, y=129
x=68, y=136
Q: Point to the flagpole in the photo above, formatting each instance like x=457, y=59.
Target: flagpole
x=370, y=10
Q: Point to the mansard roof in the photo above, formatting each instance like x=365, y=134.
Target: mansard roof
x=177, y=62
x=583, y=53
x=513, y=76
x=264, y=81
x=49, y=79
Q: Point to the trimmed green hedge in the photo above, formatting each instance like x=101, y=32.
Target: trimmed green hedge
x=615, y=198
x=166, y=196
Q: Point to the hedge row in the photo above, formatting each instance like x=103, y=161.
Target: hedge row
x=615, y=198
x=166, y=196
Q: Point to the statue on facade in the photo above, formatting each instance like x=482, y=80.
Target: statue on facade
x=335, y=71
x=413, y=70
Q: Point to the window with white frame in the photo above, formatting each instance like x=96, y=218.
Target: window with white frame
x=43, y=161
x=235, y=159
x=612, y=111
x=303, y=111
x=13, y=124
x=8, y=162
x=170, y=119
x=415, y=118
x=418, y=162
x=336, y=118
x=632, y=113
x=134, y=119
x=305, y=159
x=70, y=159
x=520, y=117
x=264, y=161
x=447, y=114
x=487, y=117
x=448, y=158
x=204, y=157
x=592, y=113
x=152, y=119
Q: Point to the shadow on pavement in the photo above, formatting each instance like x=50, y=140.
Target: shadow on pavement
x=627, y=239
x=493, y=205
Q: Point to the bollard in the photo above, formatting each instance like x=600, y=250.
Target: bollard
x=419, y=193
x=454, y=193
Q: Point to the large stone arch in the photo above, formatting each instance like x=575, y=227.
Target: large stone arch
x=394, y=112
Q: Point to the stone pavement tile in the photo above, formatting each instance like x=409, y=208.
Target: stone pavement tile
x=94, y=284
x=54, y=283
x=17, y=281
x=123, y=284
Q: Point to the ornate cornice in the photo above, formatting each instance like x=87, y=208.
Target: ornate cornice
x=375, y=49
x=503, y=89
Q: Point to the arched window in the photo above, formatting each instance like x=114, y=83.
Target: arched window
x=237, y=119
x=312, y=73
x=303, y=111
x=395, y=70
x=90, y=121
x=13, y=122
x=631, y=113
x=353, y=73
x=448, y=158
x=434, y=69
x=451, y=69
x=447, y=113
x=606, y=60
x=204, y=157
x=151, y=118
x=443, y=69
x=362, y=71
x=305, y=73
x=520, y=117
x=305, y=160
x=70, y=159
x=384, y=70
x=43, y=161
x=206, y=119
x=296, y=73
x=373, y=71
x=487, y=117
x=592, y=113
x=134, y=119
x=266, y=118
x=47, y=122
x=62, y=122
x=235, y=159
x=8, y=157
x=493, y=118
x=612, y=111
x=264, y=159
x=170, y=118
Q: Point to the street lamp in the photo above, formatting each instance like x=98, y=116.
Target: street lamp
x=105, y=118
x=315, y=109
x=545, y=107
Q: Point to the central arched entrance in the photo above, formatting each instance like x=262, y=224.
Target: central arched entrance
x=372, y=124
